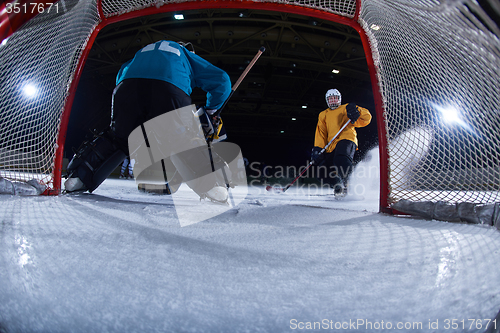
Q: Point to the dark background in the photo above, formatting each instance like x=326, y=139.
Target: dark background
x=295, y=70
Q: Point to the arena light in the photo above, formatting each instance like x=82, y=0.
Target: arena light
x=178, y=16
x=30, y=90
x=335, y=71
x=451, y=115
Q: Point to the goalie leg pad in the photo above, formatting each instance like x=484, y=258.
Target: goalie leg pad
x=202, y=169
x=105, y=169
x=95, y=160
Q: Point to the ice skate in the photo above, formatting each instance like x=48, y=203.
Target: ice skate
x=217, y=194
x=339, y=191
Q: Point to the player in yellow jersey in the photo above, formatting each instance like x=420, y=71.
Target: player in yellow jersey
x=338, y=158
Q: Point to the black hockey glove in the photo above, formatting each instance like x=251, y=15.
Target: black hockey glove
x=316, y=156
x=216, y=121
x=209, y=123
x=352, y=112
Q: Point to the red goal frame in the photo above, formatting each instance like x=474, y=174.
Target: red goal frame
x=9, y=24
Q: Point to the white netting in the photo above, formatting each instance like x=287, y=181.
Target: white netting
x=435, y=61
x=430, y=57
x=341, y=7
x=37, y=64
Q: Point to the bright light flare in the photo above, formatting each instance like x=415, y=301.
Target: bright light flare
x=30, y=90
x=450, y=115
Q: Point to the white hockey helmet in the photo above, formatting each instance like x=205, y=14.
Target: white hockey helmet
x=333, y=98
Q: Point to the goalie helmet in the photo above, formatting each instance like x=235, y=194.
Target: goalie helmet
x=333, y=98
x=186, y=45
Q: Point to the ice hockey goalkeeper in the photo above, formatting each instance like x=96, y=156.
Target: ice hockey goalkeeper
x=160, y=78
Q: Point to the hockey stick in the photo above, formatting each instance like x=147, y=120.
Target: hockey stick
x=217, y=113
x=283, y=189
x=213, y=120
x=242, y=76
x=212, y=123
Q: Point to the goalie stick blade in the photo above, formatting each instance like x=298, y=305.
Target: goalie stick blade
x=154, y=188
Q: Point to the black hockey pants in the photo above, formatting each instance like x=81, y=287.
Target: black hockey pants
x=339, y=162
x=136, y=101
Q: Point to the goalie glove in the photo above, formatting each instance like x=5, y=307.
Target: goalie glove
x=352, y=112
x=210, y=124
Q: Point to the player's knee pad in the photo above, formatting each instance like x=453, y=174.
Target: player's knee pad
x=95, y=160
x=343, y=165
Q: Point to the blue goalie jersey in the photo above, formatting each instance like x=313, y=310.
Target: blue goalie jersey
x=168, y=61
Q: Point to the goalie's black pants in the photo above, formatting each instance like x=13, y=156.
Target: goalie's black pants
x=134, y=102
x=337, y=166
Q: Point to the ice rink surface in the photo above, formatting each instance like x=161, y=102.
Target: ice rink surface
x=118, y=260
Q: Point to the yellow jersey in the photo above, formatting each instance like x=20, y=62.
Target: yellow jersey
x=331, y=121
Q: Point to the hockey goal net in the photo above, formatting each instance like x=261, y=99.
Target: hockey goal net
x=435, y=68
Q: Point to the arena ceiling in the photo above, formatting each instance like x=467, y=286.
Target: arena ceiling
x=279, y=100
